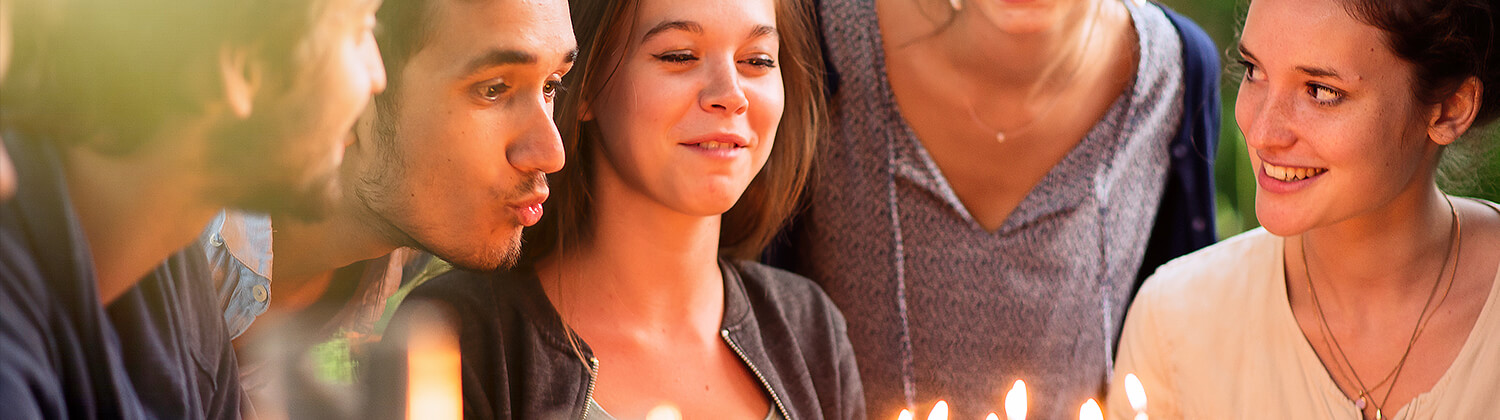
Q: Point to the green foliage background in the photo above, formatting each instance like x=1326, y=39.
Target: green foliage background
x=1471, y=168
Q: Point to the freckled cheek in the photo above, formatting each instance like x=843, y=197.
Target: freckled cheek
x=1246, y=105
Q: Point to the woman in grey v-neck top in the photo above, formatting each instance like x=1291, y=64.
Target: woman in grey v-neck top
x=939, y=308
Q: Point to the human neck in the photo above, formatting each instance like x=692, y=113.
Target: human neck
x=1054, y=54
x=1388, y=256
x=645, y=267
x=308, y=253
x=137, y=210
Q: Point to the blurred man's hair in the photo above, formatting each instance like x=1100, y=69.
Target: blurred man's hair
x=108, y=74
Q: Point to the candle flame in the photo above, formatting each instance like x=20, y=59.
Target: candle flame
x=664, y=412
x=1090, y=411
x=905, y=415
x=939, y=411
x=433, y=369
x=1135, y=392
x=1015, y=402
x=992, y=416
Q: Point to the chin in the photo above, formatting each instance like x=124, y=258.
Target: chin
x=1280, y=220
x=495, y=254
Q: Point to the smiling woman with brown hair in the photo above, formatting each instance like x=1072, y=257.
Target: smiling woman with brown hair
x=1368, y=293
x=688, y=130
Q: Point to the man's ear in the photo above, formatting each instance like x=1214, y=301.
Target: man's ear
x=1452, y=117
x=241, y=79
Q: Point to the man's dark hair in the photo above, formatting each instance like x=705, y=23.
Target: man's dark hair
x=404, y=28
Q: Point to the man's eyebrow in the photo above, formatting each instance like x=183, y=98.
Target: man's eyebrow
x=498, y=57
x=681, y=25
x=572, y=56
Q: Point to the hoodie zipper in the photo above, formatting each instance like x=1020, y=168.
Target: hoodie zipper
x=763, y=382
x=589, y=395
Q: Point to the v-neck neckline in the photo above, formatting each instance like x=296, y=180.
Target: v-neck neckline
x=1065, y=179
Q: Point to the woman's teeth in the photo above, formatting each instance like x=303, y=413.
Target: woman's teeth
x=717, y=145
x=1290, y=174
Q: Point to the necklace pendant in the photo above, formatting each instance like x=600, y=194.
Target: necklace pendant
x=1379, y=416
x=1360, y=403
x=1000, y=137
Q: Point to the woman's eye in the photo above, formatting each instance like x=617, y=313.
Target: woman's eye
x=493, y=91
x=676, y=57
x=1323, y=94
x=761, y=61
x=1252, y=72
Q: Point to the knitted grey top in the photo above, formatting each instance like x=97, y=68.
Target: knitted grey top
x=938, y=307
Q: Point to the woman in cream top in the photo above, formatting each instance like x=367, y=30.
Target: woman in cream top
x=1212, y=337
x=1369, y=292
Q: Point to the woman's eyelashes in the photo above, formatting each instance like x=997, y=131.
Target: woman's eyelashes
x=1320, y=94
x=676, y=57
x=1251, y=72
x=1324, y=95
x=763, y=61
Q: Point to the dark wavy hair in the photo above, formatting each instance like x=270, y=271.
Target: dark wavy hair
x=1445, y=41
x=771, y=197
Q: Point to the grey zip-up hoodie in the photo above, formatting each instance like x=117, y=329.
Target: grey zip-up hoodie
x=518, y=363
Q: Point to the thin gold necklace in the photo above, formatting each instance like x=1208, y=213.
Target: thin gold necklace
x=1423, y=318
x=1088, y=42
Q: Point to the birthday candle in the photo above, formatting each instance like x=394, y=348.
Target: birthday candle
x=1136, y=393
x=939, y=411
x=1090, y=411
x=1015, y=402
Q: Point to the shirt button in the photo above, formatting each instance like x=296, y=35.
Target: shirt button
x=260, y=292
x=216, y=240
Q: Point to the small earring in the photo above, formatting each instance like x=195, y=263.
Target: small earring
x=957, y=4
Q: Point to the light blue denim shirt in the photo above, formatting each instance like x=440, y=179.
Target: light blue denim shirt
x=238, y=246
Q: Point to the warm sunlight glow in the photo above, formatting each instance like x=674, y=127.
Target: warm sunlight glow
x=664, y=412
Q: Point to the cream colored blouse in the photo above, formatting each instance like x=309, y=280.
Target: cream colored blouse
x=1211, y=336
